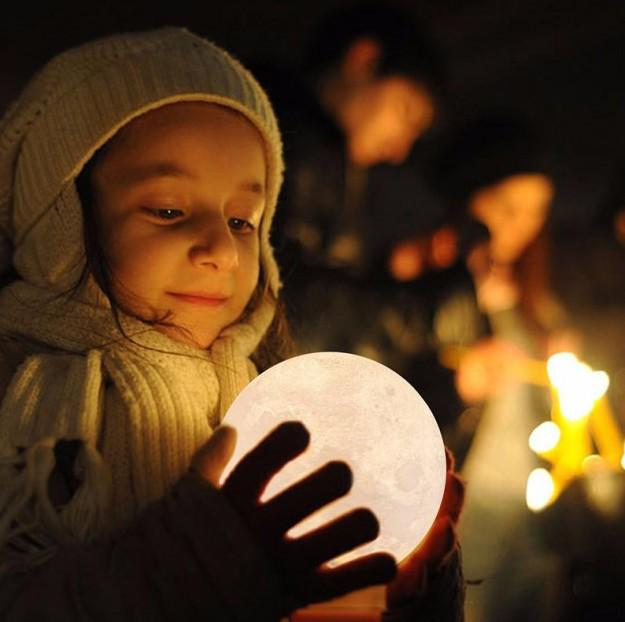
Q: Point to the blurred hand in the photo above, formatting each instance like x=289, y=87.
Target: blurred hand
x=487, y=368
x=412, y=258
x=439, y=548
x=498, y=290
x=300, y=561
x=407, y=260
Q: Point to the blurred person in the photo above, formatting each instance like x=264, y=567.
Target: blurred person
x=360, y=125
x=367, y=91
x=495, y=170
x=375, y=75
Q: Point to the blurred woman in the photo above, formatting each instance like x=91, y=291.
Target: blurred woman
x=494, y=172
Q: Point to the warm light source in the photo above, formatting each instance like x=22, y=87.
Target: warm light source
x=540, y=489
x=581, y=421
x=578, y=386
x=545, y=437
x=359, y=411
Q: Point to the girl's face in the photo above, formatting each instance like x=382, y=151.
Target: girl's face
x=179, y=195
x=514, y=211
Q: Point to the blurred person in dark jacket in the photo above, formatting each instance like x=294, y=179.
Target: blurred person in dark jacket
x=367, y=91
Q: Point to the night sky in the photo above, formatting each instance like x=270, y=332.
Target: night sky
x=558, y=63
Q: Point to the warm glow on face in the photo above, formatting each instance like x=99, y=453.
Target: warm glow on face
x=179, y=199
x=514, y=211
x=363, y=413
x=384, y=118
x=545, y=437
x=540, y=489
x=578, y=386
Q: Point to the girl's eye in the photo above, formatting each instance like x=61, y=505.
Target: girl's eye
x=239, y=224
x=165, y=213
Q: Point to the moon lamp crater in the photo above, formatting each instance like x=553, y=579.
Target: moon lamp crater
x=361, y=412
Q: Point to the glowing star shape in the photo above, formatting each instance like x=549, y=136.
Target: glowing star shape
x=362, y=412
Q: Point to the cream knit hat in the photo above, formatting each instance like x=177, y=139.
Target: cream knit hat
x=74, y=105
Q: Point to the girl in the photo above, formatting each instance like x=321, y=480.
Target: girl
x=138, y=180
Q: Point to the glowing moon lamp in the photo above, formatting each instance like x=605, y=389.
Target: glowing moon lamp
x=362, y=412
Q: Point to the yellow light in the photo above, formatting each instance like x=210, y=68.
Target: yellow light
x=540, y=490
x=623, y=458
x=578, y=386
x=560, y=366
x=545, y=437
x=601, y=382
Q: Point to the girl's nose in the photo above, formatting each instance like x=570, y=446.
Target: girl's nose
x=215, y=247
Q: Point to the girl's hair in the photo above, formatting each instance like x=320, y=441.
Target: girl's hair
x=276, y=344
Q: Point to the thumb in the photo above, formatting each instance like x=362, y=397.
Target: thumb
x=211, y=458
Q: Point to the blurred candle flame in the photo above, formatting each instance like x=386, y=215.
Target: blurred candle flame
x=581, y=423
x=578, y=386
x=540, y=489
x=545, y=437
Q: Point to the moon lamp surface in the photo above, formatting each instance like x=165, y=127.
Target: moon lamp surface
x=361, y=412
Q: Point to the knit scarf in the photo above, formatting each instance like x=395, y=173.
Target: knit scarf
x=141, y=404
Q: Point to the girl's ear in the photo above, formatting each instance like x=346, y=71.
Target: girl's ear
x=361, y=60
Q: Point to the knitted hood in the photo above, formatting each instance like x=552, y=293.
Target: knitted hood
x=74, y=105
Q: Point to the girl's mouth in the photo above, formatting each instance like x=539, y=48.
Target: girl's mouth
x=205, y=300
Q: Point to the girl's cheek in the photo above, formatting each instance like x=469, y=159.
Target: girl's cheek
x=249, y=249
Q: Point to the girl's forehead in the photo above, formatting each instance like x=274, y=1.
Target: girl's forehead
x=181, y=115
x=189, y=132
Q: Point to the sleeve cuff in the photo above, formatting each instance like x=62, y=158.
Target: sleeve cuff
x=202, y=561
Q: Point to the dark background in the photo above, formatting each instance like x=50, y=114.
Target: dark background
x=559, y=63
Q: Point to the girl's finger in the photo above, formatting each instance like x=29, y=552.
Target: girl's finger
x=211, y=459
x=331, y=540
x=326, y=583
x=285, y=510
x=249, y=478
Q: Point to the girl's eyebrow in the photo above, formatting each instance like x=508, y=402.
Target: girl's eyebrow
x=156, y=170
x=138, y=174
x=253, y=186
